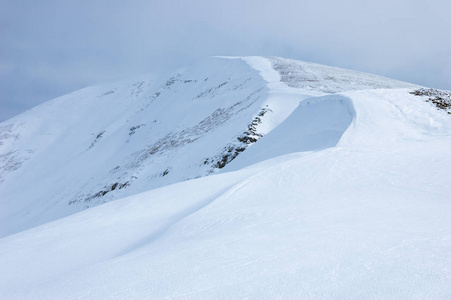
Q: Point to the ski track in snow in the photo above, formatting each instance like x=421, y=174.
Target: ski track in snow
x=346, y=195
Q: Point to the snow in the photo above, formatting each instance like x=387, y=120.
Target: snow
x=141, y=134
x=345, y=196
x=107, y=142
x=317, y=123
x=320, y=78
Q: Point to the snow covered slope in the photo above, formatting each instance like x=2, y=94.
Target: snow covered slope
x=353, y=204
x=322, y=183
x=107, y=142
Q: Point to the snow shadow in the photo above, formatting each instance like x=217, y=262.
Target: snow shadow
x=317, y=123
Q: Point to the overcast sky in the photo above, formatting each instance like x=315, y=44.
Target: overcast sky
x=49, y=48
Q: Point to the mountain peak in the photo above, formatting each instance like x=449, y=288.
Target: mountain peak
x=237, y=177
x=105, y=142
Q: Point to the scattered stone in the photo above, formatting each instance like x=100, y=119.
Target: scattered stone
x=441, y=99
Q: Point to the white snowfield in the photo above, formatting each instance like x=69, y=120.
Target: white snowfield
x=346, y=195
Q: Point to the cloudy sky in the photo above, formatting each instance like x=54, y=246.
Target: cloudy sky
x=52, y=47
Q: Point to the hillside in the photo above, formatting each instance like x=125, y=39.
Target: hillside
x=106, y=142
x=322, y=183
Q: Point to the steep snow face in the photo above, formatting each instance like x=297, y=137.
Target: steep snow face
x=317, y=123
x=362, y=213
x=106, y=142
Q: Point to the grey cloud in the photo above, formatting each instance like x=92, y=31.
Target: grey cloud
x=53, y=47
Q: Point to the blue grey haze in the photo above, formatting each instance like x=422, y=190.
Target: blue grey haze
x=52, y=47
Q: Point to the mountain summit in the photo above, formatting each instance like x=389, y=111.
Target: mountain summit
x=106, y=142
x=239, y=177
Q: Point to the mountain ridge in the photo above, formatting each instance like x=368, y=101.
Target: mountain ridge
x=123, y=135
x=328, y=192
